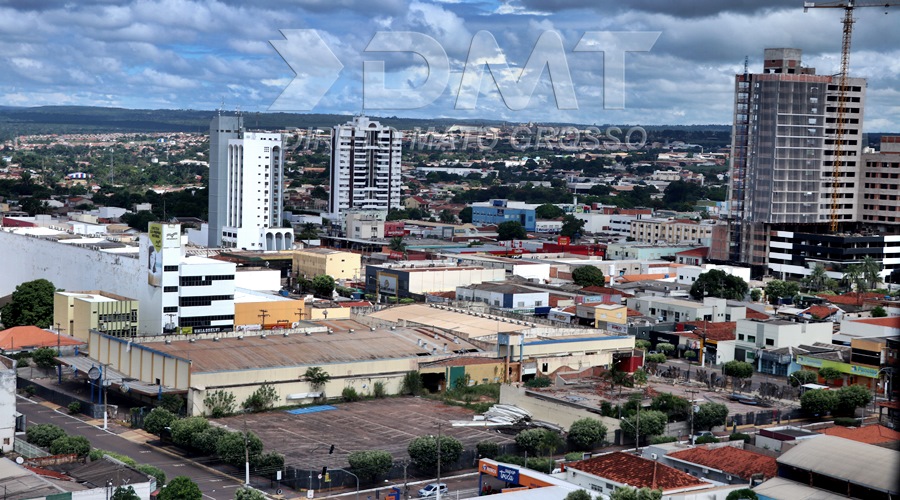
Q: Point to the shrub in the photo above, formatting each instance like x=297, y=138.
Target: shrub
x=663, y=439
x=349, y=394
x=587, y=433
x=378, y=390
x=71, y=444
x=846, y=421
x=739, y=436
x=30, y=390
x=153, y=471
x=544, y=465
x=97, y=454
x=184, y=430
x=74, y=407
x=219, y=404
x=157, y=420
x=268, y=463
x=205, y=442
x=172, y=402
x=706, y=439
x=656, y=358
x=423, y=451
x=574, y=456
x=231, y=448
x=43, y=434
x=262, y=399
x=411, y=384
x=512, y=459
x=44, y=357
x=370, y=464
x=538, y=441
x=487, y=449
x=537, y=382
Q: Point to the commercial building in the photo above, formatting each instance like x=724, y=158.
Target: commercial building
x=604, y=473
x=672, y=309
x=408, y=279
x=501, y=295
x=646, y=251
x=672, y=231
x=80, y=312
x=496, y=212
x=881, y=186
x=727, y=463
x=783, y=153
x=7, y=404
x=365, y=167
x=312, y=262
x=795, y=255
x=364, y=225
x=754, y=336
x=221, y=130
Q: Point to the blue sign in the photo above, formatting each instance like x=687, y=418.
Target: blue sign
x=508, y=474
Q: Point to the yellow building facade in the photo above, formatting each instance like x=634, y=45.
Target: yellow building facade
x=282, y=312
x=77, y=313
x=312, y=262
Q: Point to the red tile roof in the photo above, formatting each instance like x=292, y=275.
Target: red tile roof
x=48, y=473
x=820, y=312
x=870, y=434
x=892, y=322
x=30, y=337
x=631, y=278
x=604, y=290
x=731, y=460
x=754, y=314
x=852, y=298
x=632, y=313
x=358, y=303
x=694, y=252
x=722, y=330
x=637, y=472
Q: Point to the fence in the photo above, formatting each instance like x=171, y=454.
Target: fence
x=28, y=450
x=61, y=398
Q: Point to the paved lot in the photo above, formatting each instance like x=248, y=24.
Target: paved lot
x=384, y=424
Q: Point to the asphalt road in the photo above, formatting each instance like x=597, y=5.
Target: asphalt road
x=215, y=485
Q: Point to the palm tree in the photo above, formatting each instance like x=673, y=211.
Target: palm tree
x=871, y=271
x=853, y=275
x=397, y=244
x=817, y=278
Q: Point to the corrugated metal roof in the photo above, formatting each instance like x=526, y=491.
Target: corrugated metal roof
x=864, y=464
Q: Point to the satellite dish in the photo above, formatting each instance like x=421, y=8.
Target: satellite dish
x=94, y=373
x=20, y=460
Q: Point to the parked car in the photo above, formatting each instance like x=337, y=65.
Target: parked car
x=431, y=490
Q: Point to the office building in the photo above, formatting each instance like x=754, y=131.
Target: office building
x=496, y=212
x=783, y=153
x=221, y=130
x=365, y=168
x=881, y=186
x=77, y=313
x=253, y=199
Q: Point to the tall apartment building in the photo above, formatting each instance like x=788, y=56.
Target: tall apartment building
x=881, y=186
x=783, y=145
x=221, y=130
x=365, y=167
x=253, y=199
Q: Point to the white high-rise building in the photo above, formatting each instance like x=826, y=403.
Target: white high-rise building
x=221, y=130
x=254, y=203
x=365, y=167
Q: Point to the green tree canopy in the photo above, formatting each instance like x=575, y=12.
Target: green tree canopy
x=587, y=433
x=653, y=423
x=370, y=464
x=801, y=377
x=742, y=494
x=828, y=373
x=78, y=445
x=423, y=451
x=43, y=434
x=852, y=397
x=777, y=289
x=230, y=448
x=629, y=493
x=245, y=493
x=323, y=285
x=125, y=493
x=548, y=211
x=675, y=407
x=572, y=226
x=737, y=370
x=578, y=495
x=31, y=304
x=511, y=230
x=465, y=215
x=538, y=441
x=818, y=402
x=588, y=276
x=717, y=283
x=879, y=312
x=180, y=488
x=709, y=415
x=44, y=357
x=183, y=430
x=157, y=420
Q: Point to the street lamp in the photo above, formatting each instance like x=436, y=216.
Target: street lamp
x=887, y=385
x=325, y=469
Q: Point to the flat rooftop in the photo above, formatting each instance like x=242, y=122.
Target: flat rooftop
x=469, y=326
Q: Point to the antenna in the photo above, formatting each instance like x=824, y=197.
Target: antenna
x=746, y=65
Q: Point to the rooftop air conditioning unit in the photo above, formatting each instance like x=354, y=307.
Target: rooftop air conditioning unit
x=240, y=337
x=192, y=340
x=215, y=339
x=393, y=328
x=653, y=456
x=351, y=330
x=262, y=336
x=168, y=341
x=286, y=334
x=372, y=329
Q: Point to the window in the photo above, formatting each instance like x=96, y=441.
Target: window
x=170, y=309
x=751, y=338
x=202, y=301
x=170, y=289
x=170, y=268
x=740, y=336
x=770, y=342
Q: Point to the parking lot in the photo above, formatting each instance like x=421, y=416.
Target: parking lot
x=381, y=424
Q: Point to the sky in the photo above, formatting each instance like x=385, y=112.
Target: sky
x=193, y=54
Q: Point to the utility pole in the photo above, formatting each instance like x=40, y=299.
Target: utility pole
x=246, y=452
x=637, y=427
x=263, y=313
x=439, y=462
x=691, y=401
x=299, y=314
x=58, y=354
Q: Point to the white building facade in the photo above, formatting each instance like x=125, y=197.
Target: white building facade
x=365, y=167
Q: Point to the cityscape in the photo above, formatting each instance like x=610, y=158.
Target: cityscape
x=444, y=249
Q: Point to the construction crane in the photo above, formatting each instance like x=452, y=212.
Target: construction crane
x=848, y=6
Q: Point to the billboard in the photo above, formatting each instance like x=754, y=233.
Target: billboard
x=161, y=236
x=387, y=283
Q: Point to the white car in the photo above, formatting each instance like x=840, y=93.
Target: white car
x=431, y=490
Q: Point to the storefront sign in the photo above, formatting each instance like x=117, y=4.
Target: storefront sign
x=508, y=474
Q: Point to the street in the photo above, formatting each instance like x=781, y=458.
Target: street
x=214, y=485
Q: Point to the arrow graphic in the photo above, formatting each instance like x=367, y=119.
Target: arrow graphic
x=315, y=68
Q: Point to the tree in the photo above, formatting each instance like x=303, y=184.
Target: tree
x=642, y=344
x=511, y=230
x=578, y=495
x=653, y=423
x=125, y=493
x=465, y=215
x=548, y=211
x=317, y=377
x=30, y=304
x=247, y=493
x=639, y=377
x=656, y=358
x=423, y=451
x=43, y=434
x=205, y=442
x=231, y=448
x=44, y=357
x=411, y=383
x=572, y=226
x=487, y=449
x=588, y=276
x=308, y=232
x=371, y=464
x=755, y=294
x=180, y=488
x=219, y=403
x=690, y=355
x=172, y=402
x=853, y=275
x=184, y=429
x=157, y=420
x=665, y=348
x=156, y=472
x=709, y=415
x=777, y=290
x=717, y=283
x=828, y=374
x=818, y=402
x=587, y=433
x=397, y=244
x=629, y=493
x=323, y=285
x=675, y=407
x=742, y=494
x=871, y=272
x=447, y=217
x=78, y=445
x=737, y=370
x=852, y=397
x=817, y=279
x=139, y=220
x=878, y=312
x=538, y=441
x=262, y=398
x=801, y=377
x=319, y=193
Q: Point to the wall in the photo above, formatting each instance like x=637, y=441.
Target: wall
x=7, y=403
x=141, y=362
x=279, y=311
x=260, y=280
x=445, y=280
x=550, y=411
